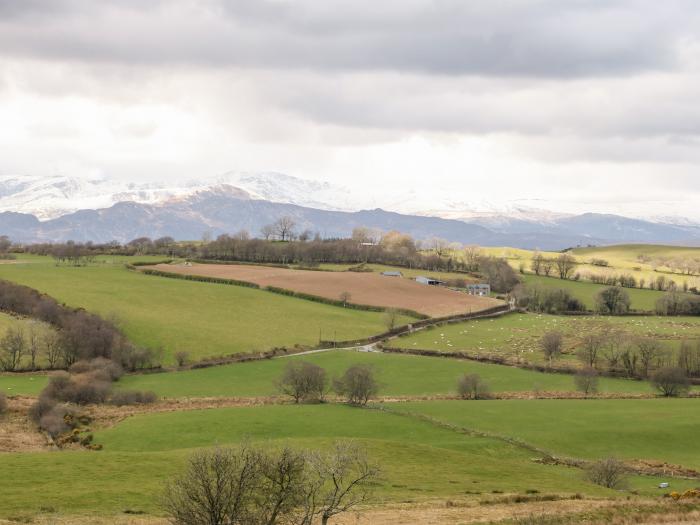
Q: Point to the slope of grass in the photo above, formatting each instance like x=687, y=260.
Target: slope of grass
x=653, y=429
x=518, y=335
x=586, y=292
x=418, y=460
x=203, y=319
x=399, y=375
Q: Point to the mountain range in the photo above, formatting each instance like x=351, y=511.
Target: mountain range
x=59, y=208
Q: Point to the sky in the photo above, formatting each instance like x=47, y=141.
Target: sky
x=573, y=105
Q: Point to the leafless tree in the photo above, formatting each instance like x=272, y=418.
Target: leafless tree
x=536, y=264
x=53, y=351
x=590, y=348
x=391, y=316
x=552, y=344
x=303, y=381
x=357, y=385
x=472, y=254
x=284, y=228
x=586, y=381
x=670, y=381
x=344, y=479
x=471, y=386
x=610, y=473
x=438, y=246
x=218, y=487
x=649, y=351
x=547, y=266
x=267, y=231
x=565, y=265
x=345, y=298
x=12, y=347
x=33, y=344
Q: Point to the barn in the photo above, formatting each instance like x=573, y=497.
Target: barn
x=429, y=280
x=392, y=274
x=481, y=289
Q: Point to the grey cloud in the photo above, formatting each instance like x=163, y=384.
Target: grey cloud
x=540, y=38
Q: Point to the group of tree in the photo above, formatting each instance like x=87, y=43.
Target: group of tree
x=546, y=299
x=251, y=485
x=604, y=349
x=562, y=265
x=472, y=386
x=307, y=382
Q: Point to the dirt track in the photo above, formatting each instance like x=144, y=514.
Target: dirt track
x=364, y=288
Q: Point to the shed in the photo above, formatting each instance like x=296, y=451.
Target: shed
x=429, y=280
x=392, y=274
x=482, y=289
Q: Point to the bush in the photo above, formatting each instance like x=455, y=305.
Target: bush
x=471, y=386
x=132, y=397
x=303, y=381
x=357, y=385
x=610, y=473
x=613, y=301
x=671, y=381
x=59, y=420
x=182, y=358
x=3, y=403
x=82, y=389
x=41, y=407
x=106, y=369
x=586, y=381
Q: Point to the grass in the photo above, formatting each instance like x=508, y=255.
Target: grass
x=518, y=335
x=418, y=460
x=399, y=375
x=203, y=319
x=653, y=429
x=586, y=292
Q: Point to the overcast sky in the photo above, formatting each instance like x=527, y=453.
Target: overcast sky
x=578, y=104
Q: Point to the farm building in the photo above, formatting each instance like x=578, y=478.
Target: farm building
x=392, y=274
x=479, y=289
x=429, y=280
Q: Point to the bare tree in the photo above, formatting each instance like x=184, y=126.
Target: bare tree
x=357, y=385
x=565, y=265
x=472, y=254
x=536, y=264
x=218, y=487
x=586, y=381
x=610, y=473
x=471, y=386
x=182, y=358
x=284, y=228
x=12, y=347
x=53, y=351
x=612, y=300
x=670, y=381
x=303, y=381
x=391, y=316
x=590, y=349
x=344, y=480
x=552, y=344
x=267, y=231
x=33, y=336
x=649, y=351
x=345, y=298
x=547, y=266
x=438, y=245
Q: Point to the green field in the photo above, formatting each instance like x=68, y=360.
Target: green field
x=518, y=335
x=203, y=319
x=586, y=292
x=651, y=429
x=399, y=375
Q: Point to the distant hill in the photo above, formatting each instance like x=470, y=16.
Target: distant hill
x=226, y=209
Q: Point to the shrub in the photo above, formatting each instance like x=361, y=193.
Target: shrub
x=471, y=386
x=303, y=381
x=610, y=473
x=41, y=407
x=105, y=369
x=182, y=358
x=3, y=403
x=357, y=385
x=586, y=381
x=59, y=420
x=82, y=389
x=551, y=344
x=132, y=397
x=670, y=381
x=612, y=300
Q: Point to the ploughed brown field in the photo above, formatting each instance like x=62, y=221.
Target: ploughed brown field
x=364, y=288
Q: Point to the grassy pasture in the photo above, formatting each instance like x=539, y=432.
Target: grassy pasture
x=652, y=429
x=518, y=335
x=399, y=375
x=419, y=461
x=203, y=319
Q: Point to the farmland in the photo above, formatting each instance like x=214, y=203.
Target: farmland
x=202, y=319
x=650, y=429
x=518, y=335
x=399, y=375
x=363, y=288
